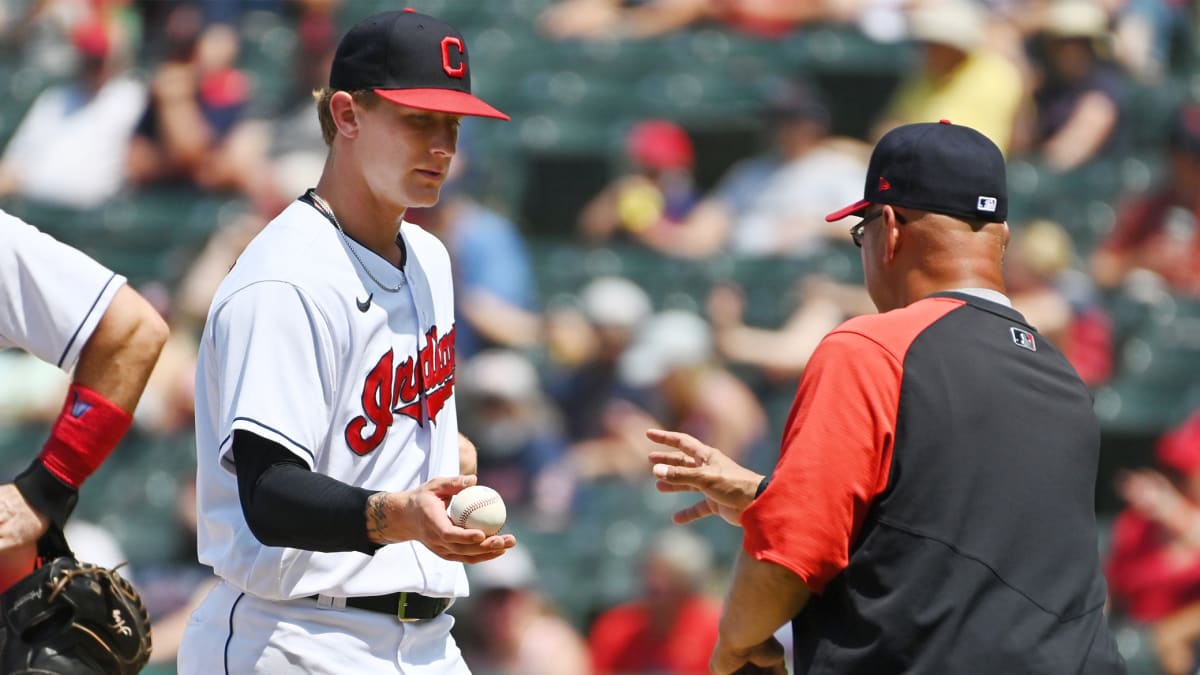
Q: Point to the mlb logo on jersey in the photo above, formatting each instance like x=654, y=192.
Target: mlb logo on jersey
x=1023, y=339
x=417, y=387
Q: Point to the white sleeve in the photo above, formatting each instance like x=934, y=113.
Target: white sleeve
x=273, y=361
x=52, y=296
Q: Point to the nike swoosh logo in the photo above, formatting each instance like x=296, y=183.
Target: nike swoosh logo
x=364, y=305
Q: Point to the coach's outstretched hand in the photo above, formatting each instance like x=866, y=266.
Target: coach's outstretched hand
x=728, y=487
x=420, y=515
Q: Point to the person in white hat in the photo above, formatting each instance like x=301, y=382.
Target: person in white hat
x=962, y=78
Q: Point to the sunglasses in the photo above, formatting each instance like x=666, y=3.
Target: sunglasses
x=856, y=232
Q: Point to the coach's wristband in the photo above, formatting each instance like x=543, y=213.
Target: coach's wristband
x=762, y=486
x=47, y=493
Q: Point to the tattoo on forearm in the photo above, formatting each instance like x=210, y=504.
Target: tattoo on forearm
x=377, y=517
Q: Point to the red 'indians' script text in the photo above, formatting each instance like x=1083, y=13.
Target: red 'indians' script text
x=425, y=381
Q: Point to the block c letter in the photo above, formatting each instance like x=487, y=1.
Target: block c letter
x=449, y=64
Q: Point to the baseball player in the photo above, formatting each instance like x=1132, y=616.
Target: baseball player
x=66, y=309
x=932, y=510
x=326, y=436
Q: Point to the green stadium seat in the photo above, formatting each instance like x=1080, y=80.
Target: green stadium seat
x=1157, y=380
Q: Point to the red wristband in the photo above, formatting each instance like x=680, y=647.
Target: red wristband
x=87, y=430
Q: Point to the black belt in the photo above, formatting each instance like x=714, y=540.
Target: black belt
x=404, y=606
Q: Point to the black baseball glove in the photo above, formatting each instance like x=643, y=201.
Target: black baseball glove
x=72, y=618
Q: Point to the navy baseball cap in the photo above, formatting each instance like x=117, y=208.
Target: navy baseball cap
x=938, y=167
x=411, y=59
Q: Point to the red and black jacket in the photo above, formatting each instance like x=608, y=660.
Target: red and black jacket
x=935, y=491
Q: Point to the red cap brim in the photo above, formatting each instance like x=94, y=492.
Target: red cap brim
x=851, y=210
x=442, y=100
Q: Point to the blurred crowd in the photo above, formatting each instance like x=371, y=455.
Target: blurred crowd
x=557, y=383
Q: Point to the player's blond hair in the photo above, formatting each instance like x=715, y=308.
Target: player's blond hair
x=364, y=97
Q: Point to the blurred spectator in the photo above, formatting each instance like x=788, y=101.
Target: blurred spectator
x=297, y=148
x=517, y=432
x=41, y=31
x=208, y=269
x=1042, y=282
x=672, y=626
x=674, y=353
x=588, y=344
x=495, y=293
x=1158, y=231
x=1146, y=32
x=783, y=353
x=174, y=587
x=1154, y=566
x=774, y=204
x=1059, y=299
x=67, y=148
x=510, y=628
x=194, y=131
x=1079, y=95
x=621, y=19
x=962, y=78
x=31, y=390
x=658, y=191
x=169, y=406
x=672, y=357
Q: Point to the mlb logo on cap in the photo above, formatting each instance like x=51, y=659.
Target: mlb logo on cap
x=987, y=204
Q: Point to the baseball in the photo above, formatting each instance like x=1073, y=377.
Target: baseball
x=478, y=507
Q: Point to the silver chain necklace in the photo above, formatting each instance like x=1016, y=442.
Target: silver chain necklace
x=324, y=208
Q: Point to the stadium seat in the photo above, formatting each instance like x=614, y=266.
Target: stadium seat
x=1157, y=379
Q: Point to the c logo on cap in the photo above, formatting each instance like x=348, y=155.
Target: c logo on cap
x=448, y=61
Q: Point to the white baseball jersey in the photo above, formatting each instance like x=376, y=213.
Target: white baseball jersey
x=52, y=296
x=301, y=347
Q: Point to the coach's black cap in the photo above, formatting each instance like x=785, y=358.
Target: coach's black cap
x=943, y=167
x=409, y=58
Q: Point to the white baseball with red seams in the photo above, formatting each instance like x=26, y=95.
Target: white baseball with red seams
x=478, y=507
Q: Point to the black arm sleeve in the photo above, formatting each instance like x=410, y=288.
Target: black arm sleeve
x=46, y=493
x=286, y=504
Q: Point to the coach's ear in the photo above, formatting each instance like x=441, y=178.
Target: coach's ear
x=893, y=234
x=344, y=113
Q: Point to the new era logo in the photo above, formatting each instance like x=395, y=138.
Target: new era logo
x=987, y=204
x=1023, y=339
x=884, y=185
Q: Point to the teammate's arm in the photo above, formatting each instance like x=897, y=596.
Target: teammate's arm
x=111, y=374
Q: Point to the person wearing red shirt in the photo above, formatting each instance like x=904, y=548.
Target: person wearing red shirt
x=1153, y=567
x=672, y=627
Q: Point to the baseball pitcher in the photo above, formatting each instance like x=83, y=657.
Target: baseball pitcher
x=326, y=436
